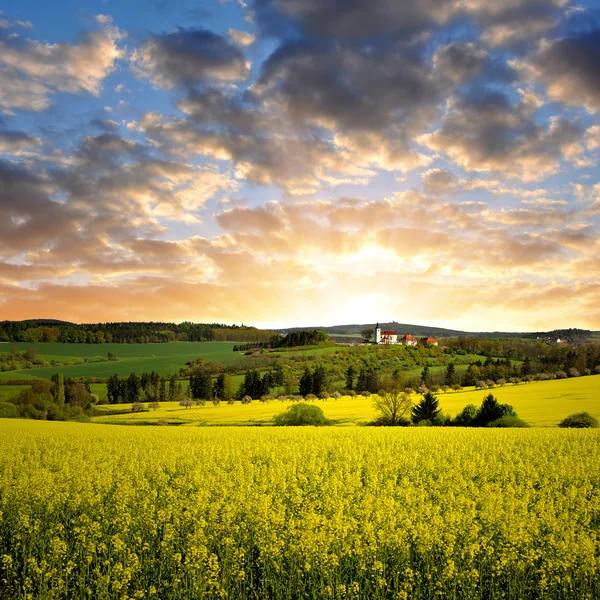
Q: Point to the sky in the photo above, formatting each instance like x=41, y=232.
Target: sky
x=301, y=162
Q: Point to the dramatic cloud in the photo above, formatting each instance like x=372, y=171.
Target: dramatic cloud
x=485, y=131
x=569, y=68
x=433, y=161
x=188, y=57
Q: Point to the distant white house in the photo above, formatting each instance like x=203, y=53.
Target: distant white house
x=391, y=337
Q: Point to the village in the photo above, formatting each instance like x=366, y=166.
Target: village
x=388, y=337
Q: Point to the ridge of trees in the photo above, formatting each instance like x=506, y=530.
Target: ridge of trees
x=128, y=332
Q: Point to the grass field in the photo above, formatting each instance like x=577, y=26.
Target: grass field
x=540, y=403
x=90, y=511
x=162, y=358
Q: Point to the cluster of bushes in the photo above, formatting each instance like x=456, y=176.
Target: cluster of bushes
x=21, y=359
x=55, y=400
x=395, y=408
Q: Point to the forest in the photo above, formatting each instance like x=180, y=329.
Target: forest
x=128, y=332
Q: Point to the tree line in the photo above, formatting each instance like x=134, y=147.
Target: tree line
x=294, y=339
x=128, y=332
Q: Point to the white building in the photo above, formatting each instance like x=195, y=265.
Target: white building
x=392, y=337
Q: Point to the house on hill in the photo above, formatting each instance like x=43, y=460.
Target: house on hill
x=408, y=340
x=429, y=340
x=392, y=337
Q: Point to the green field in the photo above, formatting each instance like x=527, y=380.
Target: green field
x=171, y=513
x=162, y=358
x=540, y=403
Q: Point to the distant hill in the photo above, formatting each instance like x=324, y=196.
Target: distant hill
x=567, y=335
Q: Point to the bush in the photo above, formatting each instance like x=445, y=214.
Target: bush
x=467, y=417
x=301, y=414
x=8, y=411
x=508, y=421
x=581, y=420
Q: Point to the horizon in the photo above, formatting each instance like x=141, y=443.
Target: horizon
x=277, y=161
x=277, y=327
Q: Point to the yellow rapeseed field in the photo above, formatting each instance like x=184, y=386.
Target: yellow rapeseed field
x=101, y=512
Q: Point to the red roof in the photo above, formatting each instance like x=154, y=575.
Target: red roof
x=388, y=333
x=408, y=337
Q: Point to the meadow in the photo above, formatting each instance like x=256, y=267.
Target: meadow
x=162, y=358
x=91, y=511
x=539, y=403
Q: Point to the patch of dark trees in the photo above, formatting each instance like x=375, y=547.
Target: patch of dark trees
x=127, y=332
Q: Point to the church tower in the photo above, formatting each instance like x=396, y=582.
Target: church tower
x=377, y=334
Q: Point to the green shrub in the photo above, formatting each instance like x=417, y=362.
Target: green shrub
x=508, y=421
x=467, y=416
x=301, y=414
x=581, y=420
x=8, y=410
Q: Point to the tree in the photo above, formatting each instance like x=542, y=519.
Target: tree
x=133, y=388
x=318, y=380
x=350, y=375
x=59, y=388
x=228, y=391
x=491, y=410
x=115, y=389
x=367, y=334
x=219, y=386
x=425, y=376
x=368, y=381
x=172, y=387
x=201, y=386
x=450, y=376
x=427, y=409
x=526, y=367
x=79, y=396
x=392, y=406
x=306, y=382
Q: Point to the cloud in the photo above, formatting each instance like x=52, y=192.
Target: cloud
x=189, y=57
x=242, y=38
x=517, y=31
x=439, y=181
x=242, y=219
x=259, y=154
x=569, y=68
x=356, y=20
x=485, y=131
x=30, y=71
x=13, y=142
